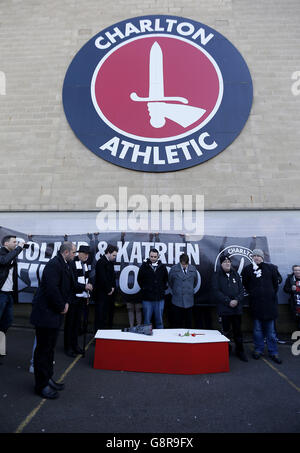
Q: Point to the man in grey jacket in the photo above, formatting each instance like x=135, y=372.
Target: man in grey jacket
x=182, y=281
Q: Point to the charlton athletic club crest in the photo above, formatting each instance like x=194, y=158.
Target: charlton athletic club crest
x=157, y=93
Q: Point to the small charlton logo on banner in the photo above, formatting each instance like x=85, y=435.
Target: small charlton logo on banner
x=239, y=255
x=157, y=93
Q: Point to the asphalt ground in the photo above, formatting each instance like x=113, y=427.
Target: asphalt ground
x=255, y=397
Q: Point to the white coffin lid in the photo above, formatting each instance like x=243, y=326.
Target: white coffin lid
x=165, y=336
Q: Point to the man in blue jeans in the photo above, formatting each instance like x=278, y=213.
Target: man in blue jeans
x=261, y=282
x=153, y=280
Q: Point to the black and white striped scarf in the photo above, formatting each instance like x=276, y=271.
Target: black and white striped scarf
x=82, y=274
x=257, y=270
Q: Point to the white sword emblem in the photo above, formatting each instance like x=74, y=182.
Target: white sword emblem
x=184, y=115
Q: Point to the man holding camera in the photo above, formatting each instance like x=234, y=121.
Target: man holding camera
x=8, y=282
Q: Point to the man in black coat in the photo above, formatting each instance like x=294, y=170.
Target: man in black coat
x=50, y=303
x=105, y=288
x=228, y=294
x=260, y=280
x=153, y=280
x=8, y=279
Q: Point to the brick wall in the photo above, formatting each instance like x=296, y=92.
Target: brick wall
x=42, y=161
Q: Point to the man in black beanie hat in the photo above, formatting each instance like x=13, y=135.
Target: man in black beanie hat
x=228, y=293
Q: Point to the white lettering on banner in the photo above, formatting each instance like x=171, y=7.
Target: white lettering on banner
x=162, y=249
x=185, y=29
x=140, y=250
x=42, y=252
x=32, y=253
x=122, y=253
x=239, y=251
x=129, y=258
x=79, y=243
x=32, y=274
x=124, y=280
x=21, y=267
x=101, y=249
x=170, y=154
x=136, y=252
x=41, y=270
x=38, y=252
x=133, y=287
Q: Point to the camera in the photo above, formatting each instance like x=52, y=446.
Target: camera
x=145, y=329
x=26, y=246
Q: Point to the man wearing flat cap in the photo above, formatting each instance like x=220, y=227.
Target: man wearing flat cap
x=80, y=271
x=261, y=280
x=228, y=294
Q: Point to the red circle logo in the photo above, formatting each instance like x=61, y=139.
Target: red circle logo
x=156, y=88
x=157, y=93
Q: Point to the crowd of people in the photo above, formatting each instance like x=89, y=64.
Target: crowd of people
x=66, y=288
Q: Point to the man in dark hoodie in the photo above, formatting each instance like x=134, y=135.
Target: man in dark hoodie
x=105, y=288
x=228, y=294
x=153, y=280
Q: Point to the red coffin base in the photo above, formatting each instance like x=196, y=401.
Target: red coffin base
x=161, y=357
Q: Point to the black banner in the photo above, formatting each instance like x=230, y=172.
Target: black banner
x=133, y=249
